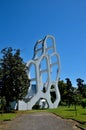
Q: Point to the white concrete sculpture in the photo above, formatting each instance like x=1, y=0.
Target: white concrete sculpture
x=43, y=71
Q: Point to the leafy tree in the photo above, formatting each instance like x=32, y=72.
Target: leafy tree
x=76, y=98
x=3, y=103
x=80, y=85
x=63, y=90
x=71, y=95
x=70, y=90
x=14, y=78
x=83, y=103
x=84, y=91
x=0, y=78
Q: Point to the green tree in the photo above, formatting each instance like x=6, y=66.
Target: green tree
x=81, y=87
x=80, y=84
x=14, y=78
x=70, y=92
x=0, y=79
x=76, y=99
x=84, y=91
x=63, y=90
x=83, y=103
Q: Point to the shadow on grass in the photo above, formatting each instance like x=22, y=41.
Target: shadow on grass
x=7, y=120
x=69, y=110
x=83, y=113
x=4, y=112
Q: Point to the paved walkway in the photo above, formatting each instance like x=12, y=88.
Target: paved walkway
x=39, y=121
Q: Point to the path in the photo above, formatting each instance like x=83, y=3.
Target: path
x=39, y=121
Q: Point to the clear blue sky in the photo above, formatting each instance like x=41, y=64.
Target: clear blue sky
x=23, y=22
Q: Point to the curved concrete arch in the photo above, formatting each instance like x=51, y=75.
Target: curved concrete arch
x=36, y=61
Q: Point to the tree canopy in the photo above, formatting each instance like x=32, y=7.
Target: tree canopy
x=13, y=75
x=70, y=94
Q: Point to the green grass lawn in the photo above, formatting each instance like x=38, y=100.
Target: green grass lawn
x=79, y=114
x=7, y=116
x=70, y=113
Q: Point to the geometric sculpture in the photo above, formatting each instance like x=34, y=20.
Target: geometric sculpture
x=43, y=72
